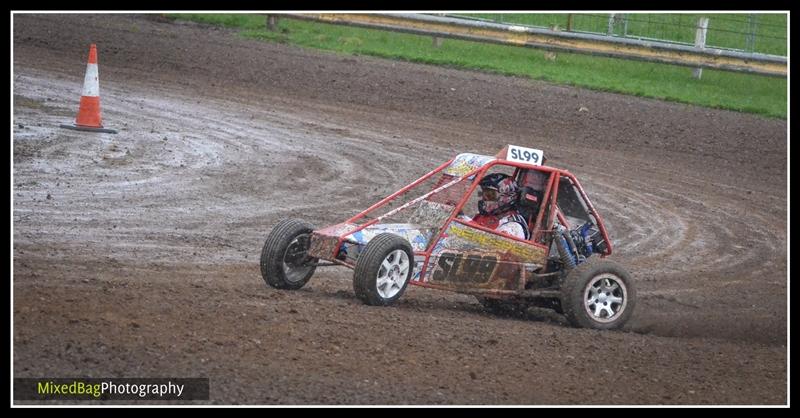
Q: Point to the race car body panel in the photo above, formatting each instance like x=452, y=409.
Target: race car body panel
x=324, y=241
x=468, y=257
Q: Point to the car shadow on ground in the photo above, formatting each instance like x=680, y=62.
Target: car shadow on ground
x=439, y=304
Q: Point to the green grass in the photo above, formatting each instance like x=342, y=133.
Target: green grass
x=717, y=89
x=725, y=30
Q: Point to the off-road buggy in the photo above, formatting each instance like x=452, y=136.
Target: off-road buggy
x=424, y=241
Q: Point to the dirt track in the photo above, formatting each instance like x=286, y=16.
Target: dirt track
x=136, y=255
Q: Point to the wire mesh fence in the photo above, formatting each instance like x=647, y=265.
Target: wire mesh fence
x=764, y=33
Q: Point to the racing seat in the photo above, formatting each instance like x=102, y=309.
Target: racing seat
x=532, y=184
x=529, y=202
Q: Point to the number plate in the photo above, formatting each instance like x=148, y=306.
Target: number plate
x=525, y=155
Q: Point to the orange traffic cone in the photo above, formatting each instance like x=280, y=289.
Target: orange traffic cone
x=89, y=118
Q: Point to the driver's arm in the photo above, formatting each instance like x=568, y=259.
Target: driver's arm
x=512, y=228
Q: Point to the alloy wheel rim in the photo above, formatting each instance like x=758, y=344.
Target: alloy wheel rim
x=605, y=298
x=392, y=274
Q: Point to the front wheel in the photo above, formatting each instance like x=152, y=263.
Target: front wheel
x=285, y=263
x=598, y=294
x=383, y=270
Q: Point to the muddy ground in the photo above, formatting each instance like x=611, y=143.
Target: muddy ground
x=136, y=254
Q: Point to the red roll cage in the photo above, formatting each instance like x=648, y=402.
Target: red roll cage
x=549, y=199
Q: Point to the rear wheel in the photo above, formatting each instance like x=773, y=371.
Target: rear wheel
x=285, y=263
x=383, y=270
x=598, y=294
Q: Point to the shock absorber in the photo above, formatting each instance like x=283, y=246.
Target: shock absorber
x=564, y=252
x=573, y=248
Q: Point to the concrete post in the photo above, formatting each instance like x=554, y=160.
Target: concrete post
x=611, y=23
x=700, y=42
x=625, y=25
x=437, y=41
x=272, y=23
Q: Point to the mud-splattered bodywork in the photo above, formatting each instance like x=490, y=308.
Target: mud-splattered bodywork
x=450, y=253
x=467, y=257
x=464, y=257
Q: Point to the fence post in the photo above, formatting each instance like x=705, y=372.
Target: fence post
x=700, y=42
x=272, y=22
x=437, y=41
x=611, y=23
x=750, y=38
x=625, y=25
x=569, y=22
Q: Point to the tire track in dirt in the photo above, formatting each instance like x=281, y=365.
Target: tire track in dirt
x=281, y=149
x=687, y=236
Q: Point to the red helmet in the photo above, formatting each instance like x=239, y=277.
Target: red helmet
x=499, y=194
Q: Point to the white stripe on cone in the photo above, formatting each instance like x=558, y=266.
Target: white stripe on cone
x=91, y=84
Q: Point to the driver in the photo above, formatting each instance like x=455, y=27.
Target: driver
x=497, y=207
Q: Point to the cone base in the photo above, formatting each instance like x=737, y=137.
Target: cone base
x=88, y=129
